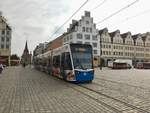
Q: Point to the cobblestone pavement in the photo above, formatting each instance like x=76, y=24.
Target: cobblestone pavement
x=130, y=86
x=26, y=90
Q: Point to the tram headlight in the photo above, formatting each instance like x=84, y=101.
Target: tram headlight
x=77, y=72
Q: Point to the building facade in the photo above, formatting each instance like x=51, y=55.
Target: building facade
x=83, y=31
x=41, y=48
x=5, y=41
x=124, y=46
x=106, y=46
x=55, y=43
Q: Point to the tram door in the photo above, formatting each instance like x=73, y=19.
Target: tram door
x=62, y=67
x=49, y=66
x=65, y=64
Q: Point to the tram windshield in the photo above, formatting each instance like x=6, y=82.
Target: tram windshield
x=82, y=56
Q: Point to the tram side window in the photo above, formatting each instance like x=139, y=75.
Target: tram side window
x=44, y=62
x=63, y=60
x=68, y=61
x=49, y=61
x=56, y=61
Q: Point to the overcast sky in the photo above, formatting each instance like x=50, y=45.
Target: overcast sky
x=36, y=20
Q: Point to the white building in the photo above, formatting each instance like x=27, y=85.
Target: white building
x=83, y=31
x=5, y=41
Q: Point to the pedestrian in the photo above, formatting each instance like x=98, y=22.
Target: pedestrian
x=1, y=67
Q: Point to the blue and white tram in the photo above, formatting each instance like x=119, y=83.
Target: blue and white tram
x=71, y=62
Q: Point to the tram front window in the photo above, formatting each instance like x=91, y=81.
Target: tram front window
x=82, y=57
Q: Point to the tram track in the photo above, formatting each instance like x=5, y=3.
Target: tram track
x=115, y=99
x=117, y=105
x=120, y=83
x=120, y=90
x=111, y=103
x=95, y=99
x=143, y=93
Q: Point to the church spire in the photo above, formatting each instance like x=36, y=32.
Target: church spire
x=26, y=48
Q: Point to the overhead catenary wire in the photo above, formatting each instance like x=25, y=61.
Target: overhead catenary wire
x=136, y=15
x=117, y=11
x=69, y=18
x=98, y=5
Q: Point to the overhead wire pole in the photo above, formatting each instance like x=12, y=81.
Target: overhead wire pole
x=69, y=18
x=117, y=12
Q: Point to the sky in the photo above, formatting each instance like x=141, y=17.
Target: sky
x=36, y=20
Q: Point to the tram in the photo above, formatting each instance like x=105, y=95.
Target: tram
x=71, y=62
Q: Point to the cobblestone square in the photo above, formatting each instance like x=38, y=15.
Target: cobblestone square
x=26, y=90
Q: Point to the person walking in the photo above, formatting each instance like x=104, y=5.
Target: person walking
x=1, y=68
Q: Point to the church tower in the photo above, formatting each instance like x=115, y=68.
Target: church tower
x=26, y=57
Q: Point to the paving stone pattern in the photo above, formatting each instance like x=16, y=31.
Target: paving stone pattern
x=26, y=90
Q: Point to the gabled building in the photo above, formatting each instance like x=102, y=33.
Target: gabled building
x=124, y=46
x=83, y=31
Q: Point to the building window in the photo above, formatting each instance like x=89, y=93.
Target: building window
x=79, y=42
x=7, y=46
x=79, y=22
x=95, y=51
x=79, y=36
x=3, y=32
x=87, y=42
x=83, y=29
x=70, y=37
x=67, y=38
x=87, y=29
x=2, y=46
x=87, y=37
x=91, y=20
x=7, y=39
x=8, y=32
x=94, y=37
x=87, y=22
x=104, y=46
x=114, y=47
x=95, y=26
x=64, y=39
x=2, y=39
x=94, y=44
x=91, y=30
x=109, y=53
x=103, y=52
